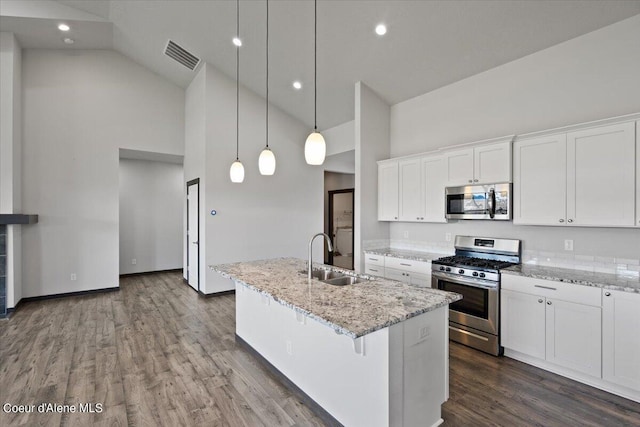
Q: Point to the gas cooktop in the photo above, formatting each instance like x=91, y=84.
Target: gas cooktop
x=475, y=263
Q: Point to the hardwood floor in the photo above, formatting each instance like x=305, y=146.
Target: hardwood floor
x=155, y=353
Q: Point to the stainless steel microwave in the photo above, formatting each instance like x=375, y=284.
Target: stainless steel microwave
x=490, y=201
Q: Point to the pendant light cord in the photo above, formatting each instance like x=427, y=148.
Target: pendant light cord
x=267, y=99
x=315, y=65
x=237, y=81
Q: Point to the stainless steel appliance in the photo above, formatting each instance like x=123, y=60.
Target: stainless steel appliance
x=490, y=201
x=474, y=272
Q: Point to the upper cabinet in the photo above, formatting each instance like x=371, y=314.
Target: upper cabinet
x=434, y=181
x=581, y=178
x=388, y=190
x=411, y=200
x=483, y=164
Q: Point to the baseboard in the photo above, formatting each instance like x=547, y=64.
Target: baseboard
x=304, y=397
x=143, y=273
x=217, y=294
x=65, y=295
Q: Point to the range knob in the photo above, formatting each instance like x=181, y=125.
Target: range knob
x=461, y=271
x=475, y=274
x=441, y=268
x=448, y=269
x=481, y=274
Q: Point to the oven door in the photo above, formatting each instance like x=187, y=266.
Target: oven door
x=478, y=307
x=471, y=202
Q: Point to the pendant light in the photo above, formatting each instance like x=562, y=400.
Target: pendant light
x=236, y=173
x=267, y=160
x=315, y=147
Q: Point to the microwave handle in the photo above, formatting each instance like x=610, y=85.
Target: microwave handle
x=492, y=203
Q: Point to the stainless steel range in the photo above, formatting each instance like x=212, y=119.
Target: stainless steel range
x=474, y=272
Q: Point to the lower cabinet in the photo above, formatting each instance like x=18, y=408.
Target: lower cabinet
x=415, y=273
x=586, y=333
x=551, y=322
x=621, y=338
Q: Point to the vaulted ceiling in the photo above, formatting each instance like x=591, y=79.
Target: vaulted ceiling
x=429, y=44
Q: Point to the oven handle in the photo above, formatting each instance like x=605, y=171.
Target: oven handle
x=476, y=283
x=462, y=331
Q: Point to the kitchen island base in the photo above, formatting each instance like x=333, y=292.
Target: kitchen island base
x=395, y=376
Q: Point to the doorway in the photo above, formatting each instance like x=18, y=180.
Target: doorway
x=193, y=233
x=341, y=203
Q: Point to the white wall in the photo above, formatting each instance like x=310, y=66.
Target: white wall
x=591, y=77
x=11, y=158
x=151, y=216
x=340, y=138
x=264, y=217
x=80, y=107
x=372, y=144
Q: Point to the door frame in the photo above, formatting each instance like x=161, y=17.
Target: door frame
x=189, y=184
x=330, y=212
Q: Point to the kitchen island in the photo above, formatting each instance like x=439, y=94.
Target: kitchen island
x=373, y=353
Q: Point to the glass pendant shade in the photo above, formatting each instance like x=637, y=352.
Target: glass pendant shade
x=236, y=173
x=267, y=162
x=315, y=149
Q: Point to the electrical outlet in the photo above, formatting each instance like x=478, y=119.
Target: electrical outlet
x=568, y=245
x=134, y=261
x=73, y=276
x=406, y=234
x=289, y=348
x=447, y=237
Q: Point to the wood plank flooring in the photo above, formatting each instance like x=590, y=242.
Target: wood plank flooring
x=157, y=354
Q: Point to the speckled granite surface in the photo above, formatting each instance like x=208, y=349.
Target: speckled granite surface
x=585, y=278
x=405, y=254
x=354, y=310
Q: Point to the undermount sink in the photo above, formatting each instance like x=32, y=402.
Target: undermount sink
x=333, y=277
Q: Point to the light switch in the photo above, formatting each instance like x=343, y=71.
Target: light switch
x=568, y=245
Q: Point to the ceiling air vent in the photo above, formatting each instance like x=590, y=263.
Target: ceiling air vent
x=178, y=53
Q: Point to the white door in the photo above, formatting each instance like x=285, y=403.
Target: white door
x=460, y=167
x=434, y=181
x=540, y=180
x=638, y=174
x=492, y=163
x=601, y=176
x=574, y=336
x=620, y=338
x=522, y=322
x=388, y=191
x=411, y=194
x=193, y=235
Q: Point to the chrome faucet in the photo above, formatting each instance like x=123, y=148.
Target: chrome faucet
x=329, y=245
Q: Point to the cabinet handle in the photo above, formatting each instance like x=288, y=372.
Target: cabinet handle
x=545, y=287
x=395, y=217
x=406, y=265
x=470, y=180
x=417, y=217
x=561, y=220
x=570, y=220
x=607, y=294
x=540, y=300
x=372, y=269
x=373, y=259
x=475, y=180
x=548, y=302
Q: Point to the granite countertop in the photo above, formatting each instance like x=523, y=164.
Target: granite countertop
x=353, y=310
x=579, y=277
x=405, y=254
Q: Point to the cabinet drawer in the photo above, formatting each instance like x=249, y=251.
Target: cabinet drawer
x=373, y=270
x=374, y=259
x=408, y=265
x=553, y=290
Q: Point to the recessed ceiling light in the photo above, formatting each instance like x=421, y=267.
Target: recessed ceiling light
x=64, y=27
x=68, y=40
x=297, y=85
x=381, y=29
x=237, y=41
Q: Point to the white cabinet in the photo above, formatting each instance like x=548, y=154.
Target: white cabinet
x=484, y=164
x=581, y=178
x=621, y=338
x=573, y=336
x=411, y=272
x=374, y=264
x=553, y=321
x=388, y=191
x=434, y=181
x=540, y=180
x=411, y=199
x=523, y=323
